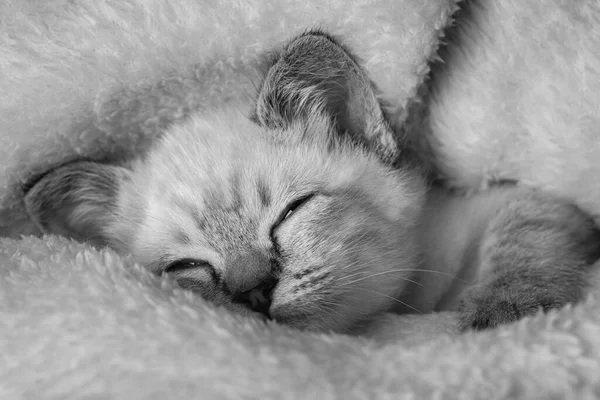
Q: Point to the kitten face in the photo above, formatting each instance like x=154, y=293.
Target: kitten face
x=220, y=190
x=283, y=215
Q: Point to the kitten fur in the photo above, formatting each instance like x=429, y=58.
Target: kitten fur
x=216, y=188
x=307, y=212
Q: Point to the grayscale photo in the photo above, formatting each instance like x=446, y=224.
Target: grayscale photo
x=281, y=199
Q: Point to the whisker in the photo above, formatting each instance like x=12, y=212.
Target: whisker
x=330, y=302
x=329, y=307
x=431, y=271
x=391, y=298
x=345, y=283
x=361, y=272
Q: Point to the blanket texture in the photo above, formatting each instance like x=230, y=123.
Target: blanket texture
x=102, y=79
x=81, y=324
x=518, y=97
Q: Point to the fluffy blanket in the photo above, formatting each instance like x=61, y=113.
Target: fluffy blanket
x=101, y=79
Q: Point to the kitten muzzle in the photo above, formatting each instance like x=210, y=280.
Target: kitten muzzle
x=259, y=298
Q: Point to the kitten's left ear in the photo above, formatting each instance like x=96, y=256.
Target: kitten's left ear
x=315, y=74
x=77, y=200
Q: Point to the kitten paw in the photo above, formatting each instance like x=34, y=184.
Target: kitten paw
x=486, y=306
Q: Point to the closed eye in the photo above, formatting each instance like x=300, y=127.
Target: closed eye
x=196, y=275
x=291, y=209
x=186, y=264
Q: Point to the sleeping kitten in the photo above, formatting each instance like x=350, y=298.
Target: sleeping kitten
x=308, y=213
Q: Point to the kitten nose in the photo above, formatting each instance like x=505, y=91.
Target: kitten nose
x=259, y=298
x=250, y=279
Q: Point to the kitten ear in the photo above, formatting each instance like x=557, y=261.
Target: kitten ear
x=76, y=200
x=314, y=74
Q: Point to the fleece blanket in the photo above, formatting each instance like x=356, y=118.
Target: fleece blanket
x=518, y=97
x=101, y=79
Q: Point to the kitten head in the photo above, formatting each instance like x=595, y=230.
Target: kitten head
x=294, y=213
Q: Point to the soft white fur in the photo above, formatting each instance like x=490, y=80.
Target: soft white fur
x=96, y=78
x=78, y=323
x=518, y=97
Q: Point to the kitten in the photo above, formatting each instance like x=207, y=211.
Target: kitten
x=308, y=213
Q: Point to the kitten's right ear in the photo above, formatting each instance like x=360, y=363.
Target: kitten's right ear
x=313, y=76
x=77, y=200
